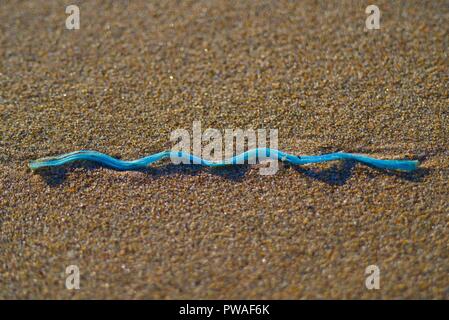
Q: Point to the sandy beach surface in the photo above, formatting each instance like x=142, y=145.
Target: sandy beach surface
x=137, y=70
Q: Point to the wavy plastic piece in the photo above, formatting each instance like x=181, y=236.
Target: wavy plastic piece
x=258, y=154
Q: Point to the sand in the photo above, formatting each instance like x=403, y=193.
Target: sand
x=136, y=71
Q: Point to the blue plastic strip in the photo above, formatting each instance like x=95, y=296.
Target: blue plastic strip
x=259, y=154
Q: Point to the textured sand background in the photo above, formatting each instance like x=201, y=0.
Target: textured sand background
x=136, y=71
